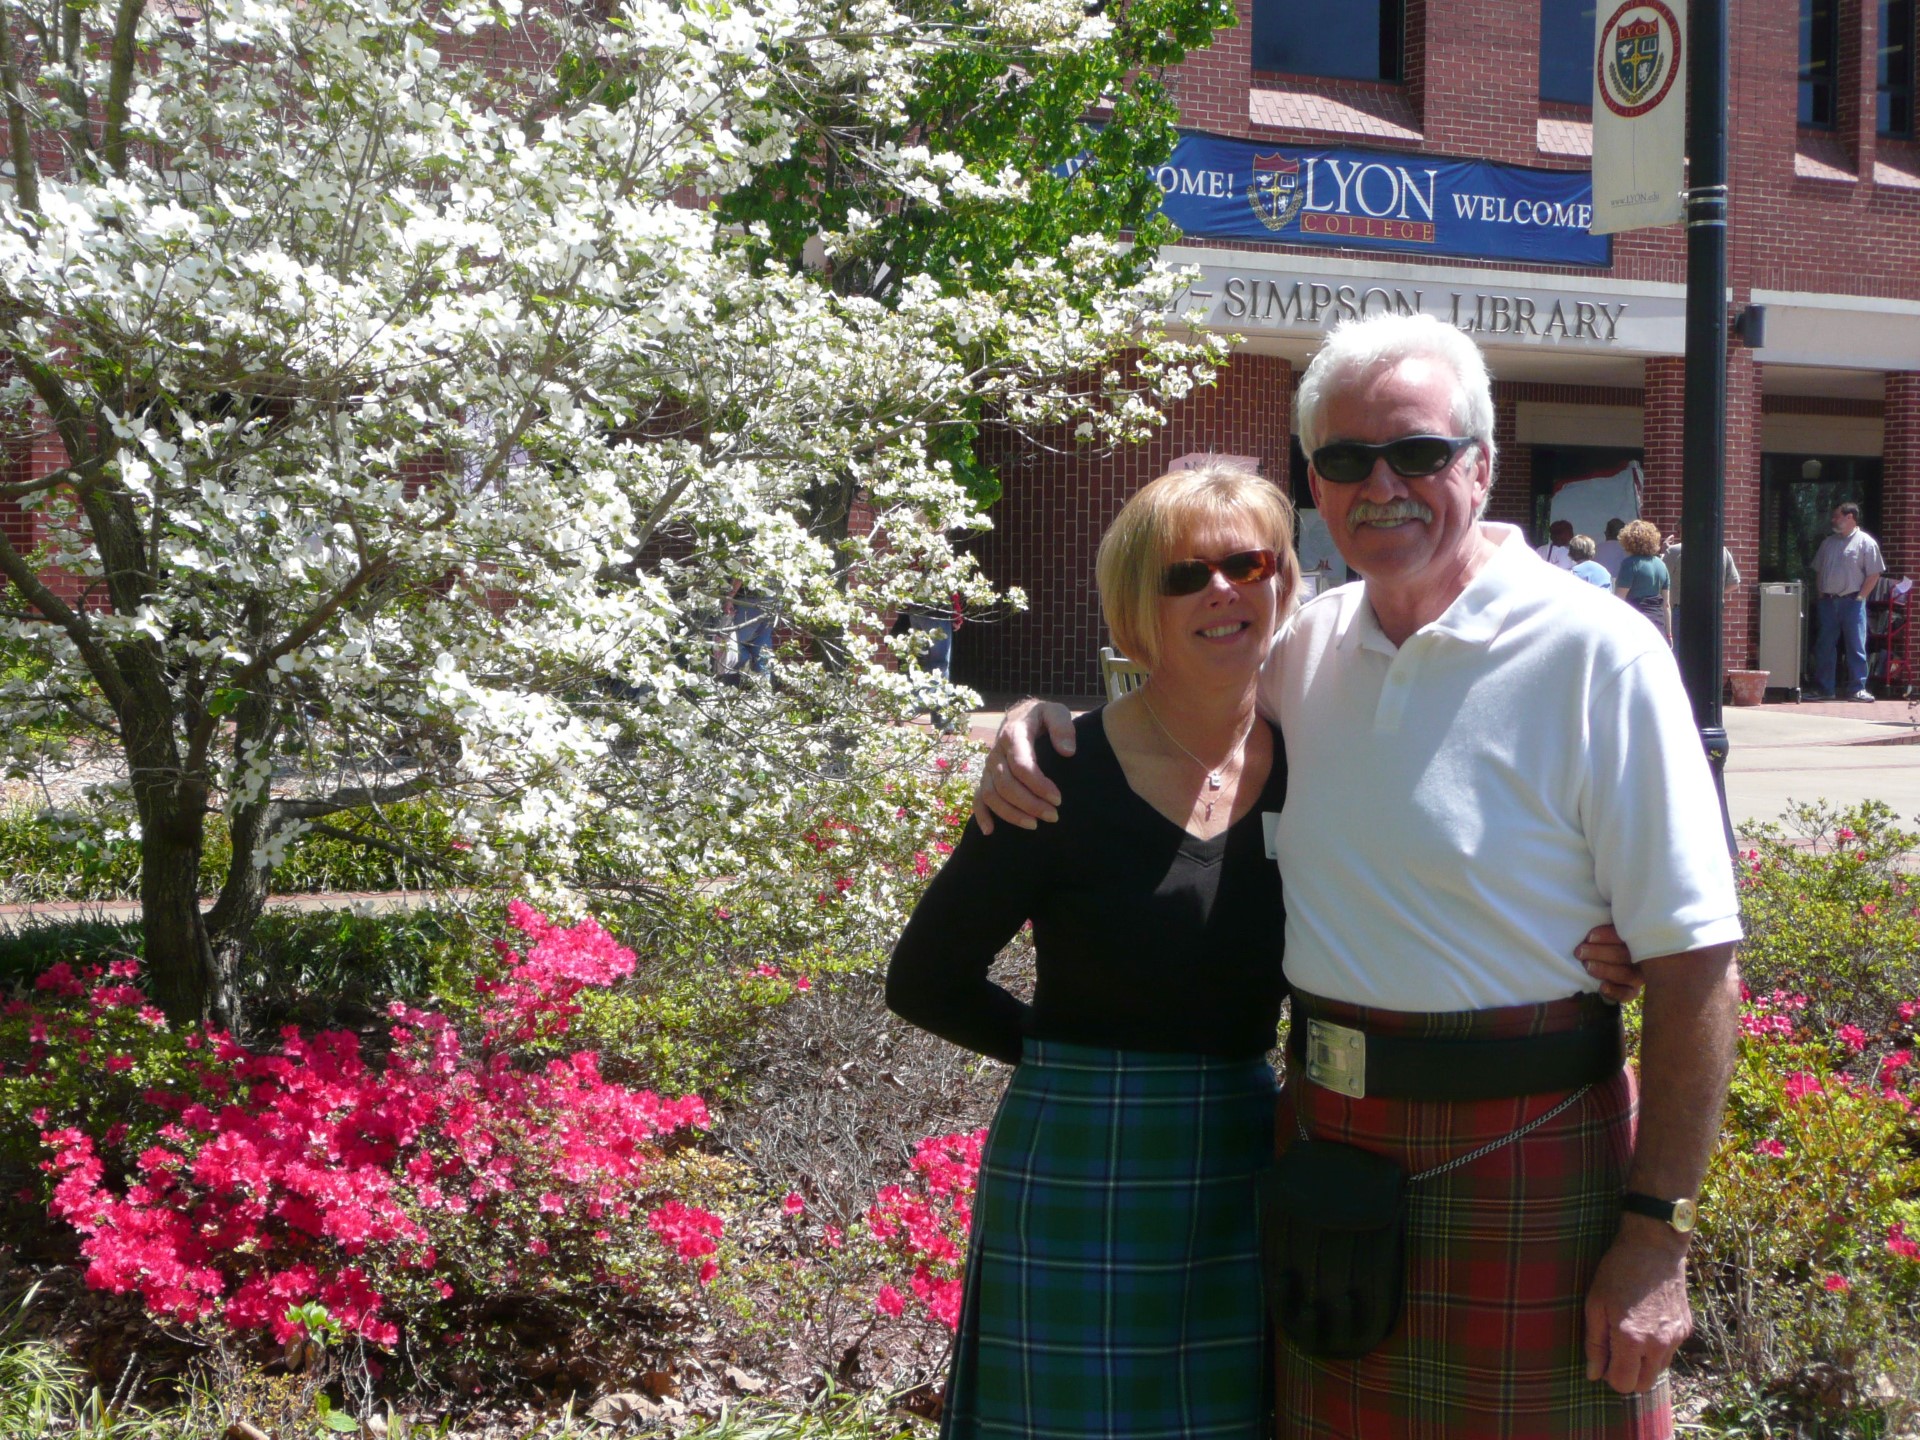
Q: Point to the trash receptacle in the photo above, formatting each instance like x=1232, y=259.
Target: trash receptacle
x=1782, y=634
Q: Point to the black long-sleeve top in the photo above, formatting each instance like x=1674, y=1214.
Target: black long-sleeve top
x=1145, y=937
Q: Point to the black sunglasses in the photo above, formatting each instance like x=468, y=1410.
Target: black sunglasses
x=1348, y=462
x=1190, y=577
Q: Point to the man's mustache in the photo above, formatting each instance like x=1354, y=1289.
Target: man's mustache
x=1366, y=512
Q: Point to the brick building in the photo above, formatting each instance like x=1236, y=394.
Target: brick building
x=1825, y=238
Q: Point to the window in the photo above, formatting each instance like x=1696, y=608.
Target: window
x=1819, y=48
x=1566, y=50
x=1338, y=39
x=1895, y=66
x=1797, y=495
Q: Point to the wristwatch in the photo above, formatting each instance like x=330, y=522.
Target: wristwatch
x=1682, y=1215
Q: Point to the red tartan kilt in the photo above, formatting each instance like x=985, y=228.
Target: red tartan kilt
x=1500, y=1255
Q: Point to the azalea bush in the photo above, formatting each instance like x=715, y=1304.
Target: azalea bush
x=796, y=890
x=1807, y=1263
x=925, y=1226
x=229, y=1187
x=1831, y=906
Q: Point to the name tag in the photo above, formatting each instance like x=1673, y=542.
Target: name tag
x=1270, y=828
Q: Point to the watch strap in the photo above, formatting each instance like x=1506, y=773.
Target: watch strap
x=1679, y=1214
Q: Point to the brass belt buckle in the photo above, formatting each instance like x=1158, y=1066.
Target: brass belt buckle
x=1337, y=1058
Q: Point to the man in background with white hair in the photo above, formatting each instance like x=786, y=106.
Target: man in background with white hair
x=1486, y=758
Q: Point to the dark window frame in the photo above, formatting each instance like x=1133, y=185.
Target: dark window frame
x=1893, y=70
x=1391, y=59
x=1819, y=63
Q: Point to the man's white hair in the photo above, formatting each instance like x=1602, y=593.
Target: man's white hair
x=1356, y=347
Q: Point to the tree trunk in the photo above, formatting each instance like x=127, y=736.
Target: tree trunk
x=243, y=899
x=243, y=892
x=180, y=970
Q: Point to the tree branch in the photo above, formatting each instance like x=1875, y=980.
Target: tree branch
x=27, y=581
x=314, y=623
x=26, y=170
x=113, y=128
x=354, y=797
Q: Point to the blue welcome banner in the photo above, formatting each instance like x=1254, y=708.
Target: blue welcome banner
x=1379, y=200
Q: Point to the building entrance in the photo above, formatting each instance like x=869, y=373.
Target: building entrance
x=1797, y=496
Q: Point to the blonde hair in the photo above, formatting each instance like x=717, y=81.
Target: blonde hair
x=1641, y=537
x=1140, y=543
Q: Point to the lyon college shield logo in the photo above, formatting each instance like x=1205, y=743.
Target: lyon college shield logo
x=1639, y=57
x=1275, y=194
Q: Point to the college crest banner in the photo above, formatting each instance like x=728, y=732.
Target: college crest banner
x=1379, y=200
x=1639, y=114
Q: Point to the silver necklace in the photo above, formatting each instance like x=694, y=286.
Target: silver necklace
x=1213, y=771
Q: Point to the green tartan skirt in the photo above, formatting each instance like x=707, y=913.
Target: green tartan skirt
x=1113, y=1280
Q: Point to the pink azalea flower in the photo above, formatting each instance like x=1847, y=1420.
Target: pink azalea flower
x=889, y=1301
x=793, y=1202
x=1771, y=1148
x=1801, y=1084
x=1853, y=1037
x=1838, y=1284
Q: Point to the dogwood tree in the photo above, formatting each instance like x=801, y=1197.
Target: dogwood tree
x=415, y=414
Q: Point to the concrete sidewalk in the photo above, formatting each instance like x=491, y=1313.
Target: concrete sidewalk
x=1839, y=752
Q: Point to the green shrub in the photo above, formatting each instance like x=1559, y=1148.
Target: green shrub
x=1807, y=1262
x=29, y=948
x=93, y=853
x=1830, y=913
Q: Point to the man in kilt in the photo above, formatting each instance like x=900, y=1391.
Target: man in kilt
x=1487, y=758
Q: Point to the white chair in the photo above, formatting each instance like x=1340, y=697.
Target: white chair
x=1120, y=674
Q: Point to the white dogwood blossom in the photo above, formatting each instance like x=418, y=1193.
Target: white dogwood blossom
x=418, y=420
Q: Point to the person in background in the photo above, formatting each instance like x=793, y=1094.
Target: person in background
x=1585, y=567
x=936, y=661
x=1846, y=567
x=1642, y=580
x=751, y=615
x=1554, y=552
x=1609, y=552
x=1729, y=576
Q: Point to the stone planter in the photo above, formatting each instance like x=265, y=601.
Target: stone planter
x=1749, y=686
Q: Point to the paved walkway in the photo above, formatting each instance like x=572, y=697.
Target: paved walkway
x=1839, y=752
x=367, y=902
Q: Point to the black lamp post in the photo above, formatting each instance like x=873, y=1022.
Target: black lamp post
x=1703, y=486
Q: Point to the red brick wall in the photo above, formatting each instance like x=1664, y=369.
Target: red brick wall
x=1900, y=482
x=1057, y=504
x=1512, y=498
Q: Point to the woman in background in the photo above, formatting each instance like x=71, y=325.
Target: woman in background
x=1642, y=579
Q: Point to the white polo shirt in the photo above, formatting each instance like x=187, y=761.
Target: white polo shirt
x=1461, y=810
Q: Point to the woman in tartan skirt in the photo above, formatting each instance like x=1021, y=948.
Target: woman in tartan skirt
x=1112, y=1283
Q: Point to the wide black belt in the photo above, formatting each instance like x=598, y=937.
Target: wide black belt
x=1359, y=1063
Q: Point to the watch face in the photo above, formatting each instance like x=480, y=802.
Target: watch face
x=1685, y=1213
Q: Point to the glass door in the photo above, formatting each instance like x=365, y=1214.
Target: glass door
x=1797, y=496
